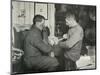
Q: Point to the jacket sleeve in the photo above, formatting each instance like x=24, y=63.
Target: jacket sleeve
x=78, y=35
x=36, y=40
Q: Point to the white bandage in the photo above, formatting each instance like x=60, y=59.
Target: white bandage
x=52, y=54
x=65, y=36
x=53, y=40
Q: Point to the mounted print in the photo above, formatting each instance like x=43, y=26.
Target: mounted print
x=41, y=9
x=52, y=37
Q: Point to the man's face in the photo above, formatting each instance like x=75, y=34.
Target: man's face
x=41, y=24
x=70, y=21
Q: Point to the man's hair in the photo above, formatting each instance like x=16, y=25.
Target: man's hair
x=71, y=14
x=38, y=18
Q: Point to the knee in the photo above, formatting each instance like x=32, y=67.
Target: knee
x=54, y=65
x=54, y=62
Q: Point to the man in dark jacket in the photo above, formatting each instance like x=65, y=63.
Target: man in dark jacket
x=36, y=50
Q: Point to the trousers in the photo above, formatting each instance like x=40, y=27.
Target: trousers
x=44, y=63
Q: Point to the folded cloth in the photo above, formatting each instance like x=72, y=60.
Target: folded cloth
x=16, y=54
x=85, y=62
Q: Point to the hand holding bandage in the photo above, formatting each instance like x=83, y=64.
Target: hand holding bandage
x=62, y=41
x=65, y=36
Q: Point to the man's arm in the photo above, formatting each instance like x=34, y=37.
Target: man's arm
x=38, y=42
x=78, y=35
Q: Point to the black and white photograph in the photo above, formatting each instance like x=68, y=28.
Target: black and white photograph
x=52, y=37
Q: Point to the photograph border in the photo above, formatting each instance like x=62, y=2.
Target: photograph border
x=47, y=19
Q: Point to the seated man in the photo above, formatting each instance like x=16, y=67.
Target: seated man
x=73, y=43
x=37, y=52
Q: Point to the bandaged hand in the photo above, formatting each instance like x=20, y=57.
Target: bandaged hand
x=53, y=40
x=52, y=54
